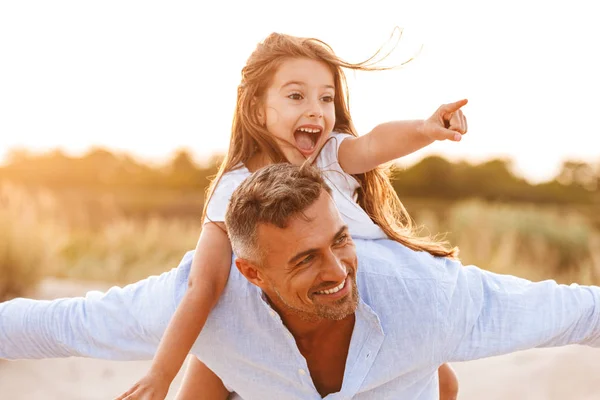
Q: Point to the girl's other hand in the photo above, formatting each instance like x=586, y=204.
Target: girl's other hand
x=148, y=388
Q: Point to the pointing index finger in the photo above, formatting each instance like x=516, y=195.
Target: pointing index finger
x=452, y=107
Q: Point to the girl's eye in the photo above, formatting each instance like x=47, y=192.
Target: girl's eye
x=327, y=99
x=295, y=96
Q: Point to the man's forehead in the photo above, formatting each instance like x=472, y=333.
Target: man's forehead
x=317, y=223
x=296, y=227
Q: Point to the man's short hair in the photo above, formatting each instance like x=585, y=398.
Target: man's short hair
x=272, y=195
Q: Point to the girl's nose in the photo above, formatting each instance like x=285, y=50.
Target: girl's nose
x=314, y=110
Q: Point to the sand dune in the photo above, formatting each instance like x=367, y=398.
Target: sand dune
x=571, y=372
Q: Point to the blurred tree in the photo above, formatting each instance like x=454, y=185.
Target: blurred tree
x=18, y=155
x=434, y=177
x=182, y=162
x=579, y=173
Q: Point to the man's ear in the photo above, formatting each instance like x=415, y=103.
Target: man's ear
x=250, y=271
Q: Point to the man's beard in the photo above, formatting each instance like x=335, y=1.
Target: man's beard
x=334, y=311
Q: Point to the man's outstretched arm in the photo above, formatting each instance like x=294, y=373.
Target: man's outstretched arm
x=121, y=324
x=485, y=314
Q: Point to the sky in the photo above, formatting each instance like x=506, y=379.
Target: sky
x=150, y=77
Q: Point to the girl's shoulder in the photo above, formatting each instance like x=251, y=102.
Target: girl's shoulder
x=329, y=153
x=234, y=177
x=335, y=139
x=229, y=181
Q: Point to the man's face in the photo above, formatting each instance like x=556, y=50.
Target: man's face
x=309, y=268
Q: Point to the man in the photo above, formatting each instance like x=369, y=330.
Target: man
x=308, y=313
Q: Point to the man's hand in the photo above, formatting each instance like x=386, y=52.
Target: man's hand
x=447, y=123
x=150, y=387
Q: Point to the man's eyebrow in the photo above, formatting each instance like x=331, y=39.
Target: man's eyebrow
x=340, y=231
x=298, y=256
x=299, y=83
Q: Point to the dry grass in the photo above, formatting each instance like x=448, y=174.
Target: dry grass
x=126, y=249
x=30, y=237
x=41, y=235
x=528, y=241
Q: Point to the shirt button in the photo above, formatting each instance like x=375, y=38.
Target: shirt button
x=272, y=313
x=301, y=372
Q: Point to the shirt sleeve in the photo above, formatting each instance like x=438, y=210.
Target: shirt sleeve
x=121, y=324
x=328, y=157
x=485, y=314
x=218, y=202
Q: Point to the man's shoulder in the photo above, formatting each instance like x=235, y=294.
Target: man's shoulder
x=401, y=286
x=387, y=259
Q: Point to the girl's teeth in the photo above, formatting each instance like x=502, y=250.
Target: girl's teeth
x=309, y=130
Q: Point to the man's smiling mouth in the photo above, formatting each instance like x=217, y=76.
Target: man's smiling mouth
x=333, y=290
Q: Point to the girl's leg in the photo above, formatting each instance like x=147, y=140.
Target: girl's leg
x=200, y=383
x=448, y=383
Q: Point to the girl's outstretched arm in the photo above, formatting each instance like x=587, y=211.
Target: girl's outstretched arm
x=395, y=139
x=201, y=383
x=208, y=276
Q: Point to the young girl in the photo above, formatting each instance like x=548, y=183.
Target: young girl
x=292, y=107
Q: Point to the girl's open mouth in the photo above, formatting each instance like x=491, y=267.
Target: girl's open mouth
x=307, y=137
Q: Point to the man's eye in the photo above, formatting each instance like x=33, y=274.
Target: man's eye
x=341, y=240
x=295, y=96
x=306, y=259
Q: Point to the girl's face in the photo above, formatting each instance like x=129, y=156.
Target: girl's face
x=298, y=108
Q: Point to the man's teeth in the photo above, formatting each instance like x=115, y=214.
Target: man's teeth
x=309, y=130
x=334, y=290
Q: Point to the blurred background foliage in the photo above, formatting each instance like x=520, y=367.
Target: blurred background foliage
x=107, y=216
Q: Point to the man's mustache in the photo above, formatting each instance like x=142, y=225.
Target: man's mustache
x=332, y=284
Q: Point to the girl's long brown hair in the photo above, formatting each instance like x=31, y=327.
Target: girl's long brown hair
x=248, y=136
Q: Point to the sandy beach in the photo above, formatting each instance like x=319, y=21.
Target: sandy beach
x=549, y=374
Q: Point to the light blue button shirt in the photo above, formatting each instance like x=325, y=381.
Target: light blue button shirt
x=415, y=313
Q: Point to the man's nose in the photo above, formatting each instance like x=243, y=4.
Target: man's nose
x=332, y=269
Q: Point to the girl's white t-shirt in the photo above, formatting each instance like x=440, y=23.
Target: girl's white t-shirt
x=343, y=187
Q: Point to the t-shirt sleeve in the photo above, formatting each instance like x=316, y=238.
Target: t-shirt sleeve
x=218, y=202
x=328, y=158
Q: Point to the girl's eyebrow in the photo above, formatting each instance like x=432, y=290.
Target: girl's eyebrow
x=293, y=83
x=302, y=84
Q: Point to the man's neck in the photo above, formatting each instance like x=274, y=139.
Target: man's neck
x=306, y=329
x=324, y=344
